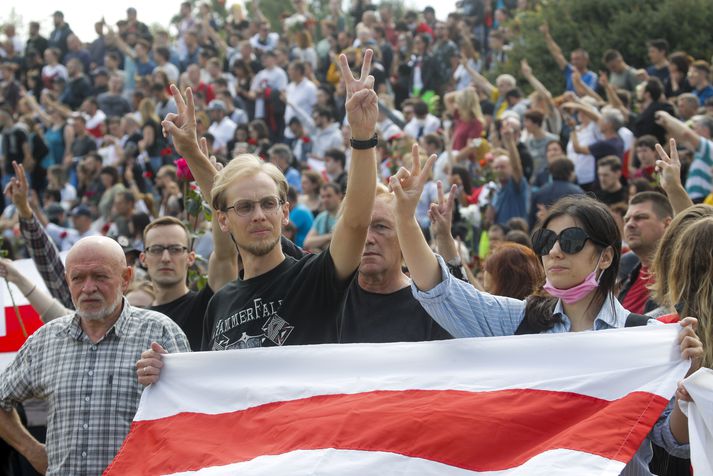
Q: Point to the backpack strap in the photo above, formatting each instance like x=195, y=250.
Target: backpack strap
x=636, y=320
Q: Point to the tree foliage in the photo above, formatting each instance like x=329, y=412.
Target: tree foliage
x=600, y=25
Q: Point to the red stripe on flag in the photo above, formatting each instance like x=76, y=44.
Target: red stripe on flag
x=478, y=431
x=14, y=337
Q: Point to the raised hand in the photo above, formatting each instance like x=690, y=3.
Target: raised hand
x=362, y=102
x=669, y=166
x=182, y=126
x=18, y=191
x=545, y=29
x=408, y=185
x=525, y=68
x=603, y=79
x=441, y=213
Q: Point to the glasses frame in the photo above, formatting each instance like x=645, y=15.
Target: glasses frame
x=558, y=239
x=164, y=248
x=254, y=204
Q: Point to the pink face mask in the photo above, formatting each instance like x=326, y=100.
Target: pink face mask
x=575, y=293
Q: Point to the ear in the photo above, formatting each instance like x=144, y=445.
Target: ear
x=223, y=221
x=191, y=258
x=142, y=258
x=126, y=276
x=285, y=214
x=607, y=257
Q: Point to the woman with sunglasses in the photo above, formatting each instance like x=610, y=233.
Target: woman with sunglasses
x=579, y=244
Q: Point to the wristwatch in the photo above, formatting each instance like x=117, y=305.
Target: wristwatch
x=364, y=144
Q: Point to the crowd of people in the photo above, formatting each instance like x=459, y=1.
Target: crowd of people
x=235, y=186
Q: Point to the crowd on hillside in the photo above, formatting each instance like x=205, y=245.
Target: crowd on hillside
x=131, y=132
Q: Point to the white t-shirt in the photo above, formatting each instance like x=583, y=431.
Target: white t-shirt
x=274, y=78
x=303, y=95
x=430, y=125
x=222, y=131
x=584, y=164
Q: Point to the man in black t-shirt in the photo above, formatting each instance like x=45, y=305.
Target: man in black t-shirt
x=611, y=190
x=380, y=306
x=280, y=300
x=167, y=255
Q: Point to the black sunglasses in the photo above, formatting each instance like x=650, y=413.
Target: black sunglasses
x=571, y=240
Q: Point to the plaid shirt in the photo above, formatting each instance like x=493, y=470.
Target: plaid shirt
x=91, y=388
x=44, y=253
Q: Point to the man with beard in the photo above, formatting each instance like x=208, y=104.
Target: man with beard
x=82, y=365
x=280, y=300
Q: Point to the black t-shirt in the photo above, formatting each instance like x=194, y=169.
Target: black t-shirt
x=377, y=318
x=296, y=303
x=13, y=139
x=187, y=311
x=610, y=198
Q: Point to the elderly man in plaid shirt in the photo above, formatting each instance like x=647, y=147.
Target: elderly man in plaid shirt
x=83, y=365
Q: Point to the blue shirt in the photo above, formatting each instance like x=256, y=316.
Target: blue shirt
x=294, y=179
x=703, y=94
x=511, y=201
x=302, y=218
x=588, y=78
x=464, y=311
x=324, y=223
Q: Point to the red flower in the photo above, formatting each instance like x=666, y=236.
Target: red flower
x=166, y=151
x=194, y=187
x=483, y=162
x=305, y=139
x=148, y=174
x=183, y=171
x=252, y=141
x=105, y=228
x=63, y=235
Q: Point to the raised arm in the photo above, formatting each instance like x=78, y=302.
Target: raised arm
x=441, y=216
x=513, y=153
x=612, y=97
x=46, y=306
x=350, y=231
x=553, y=47
x=481, y=82
x=43, y=252
x=582, y=88
x=536, y=84
x=223, y=263
x=670, y=172
x=678, y=130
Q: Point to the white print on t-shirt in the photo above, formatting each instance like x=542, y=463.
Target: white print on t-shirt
x=276, y=329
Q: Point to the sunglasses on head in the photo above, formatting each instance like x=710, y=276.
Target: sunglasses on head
x=571, y=240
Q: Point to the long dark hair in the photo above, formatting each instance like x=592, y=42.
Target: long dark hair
x=596, y=219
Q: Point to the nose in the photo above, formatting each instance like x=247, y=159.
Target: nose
x=556, y=251
x=165, y=256
x=89, y=286
x=258, y=214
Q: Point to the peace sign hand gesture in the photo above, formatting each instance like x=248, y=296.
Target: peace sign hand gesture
x=441, y=213
x=362, y=101
x=669, y=167
x=182, y=126
x=408, y=186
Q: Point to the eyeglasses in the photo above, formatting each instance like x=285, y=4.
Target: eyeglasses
x=246, y=207
x=571, y=240
x=173, y=250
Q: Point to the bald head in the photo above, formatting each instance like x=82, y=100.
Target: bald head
x=97, y=247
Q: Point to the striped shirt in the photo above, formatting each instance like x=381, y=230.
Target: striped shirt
x=699, y=183
x=91, y=388
x=464, y=311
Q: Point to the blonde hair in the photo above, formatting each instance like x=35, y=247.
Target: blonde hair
x=690, y=281
x=468, y=105
x=242, y=166
x=667, y=247
x=147, y=109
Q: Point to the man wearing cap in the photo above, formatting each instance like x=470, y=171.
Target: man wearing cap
x=58, y=37
x=222, y=127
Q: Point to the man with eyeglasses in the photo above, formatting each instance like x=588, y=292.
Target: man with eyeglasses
x=168, y=256
x=280, y=300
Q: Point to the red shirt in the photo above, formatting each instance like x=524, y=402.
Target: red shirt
x=635, y=299
x=463, y=131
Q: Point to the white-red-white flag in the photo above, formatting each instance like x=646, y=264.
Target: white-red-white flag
x=576, y=403
x=700, y=420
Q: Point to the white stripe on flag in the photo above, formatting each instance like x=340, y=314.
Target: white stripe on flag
x=700, y=421
x=330, y=462
x=587, y=363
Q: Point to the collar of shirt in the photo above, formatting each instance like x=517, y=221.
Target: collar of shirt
x=611, y=315
x=74, y=330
